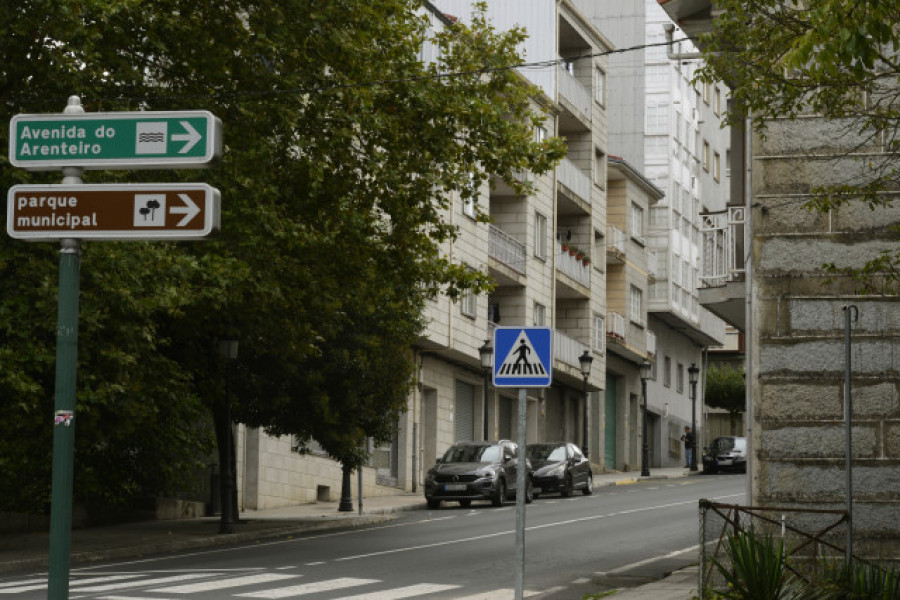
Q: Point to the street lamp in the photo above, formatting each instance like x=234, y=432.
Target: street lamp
x=585, y=361
x=486, y=352
x=645, y=446
x=693, y=375
x=228, y=350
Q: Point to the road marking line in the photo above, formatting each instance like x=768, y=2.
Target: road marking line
x=403, y=592
x=220, y=584
x=309, y=588
x=647, y=561
x=142, y=583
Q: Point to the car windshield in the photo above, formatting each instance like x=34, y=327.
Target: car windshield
x=740, y=444
x=549, y=452
x=471, y=453
x=722, y=445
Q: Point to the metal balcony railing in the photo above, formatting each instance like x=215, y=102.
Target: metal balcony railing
x=722, y=232
x=571, y=266
x=572, y=90
x=615, y=327
x=506, y=249
x=574, y=178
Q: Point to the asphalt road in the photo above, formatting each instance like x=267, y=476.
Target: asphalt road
x=618, y=537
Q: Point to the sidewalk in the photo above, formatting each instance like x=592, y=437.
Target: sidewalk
x=28, y=552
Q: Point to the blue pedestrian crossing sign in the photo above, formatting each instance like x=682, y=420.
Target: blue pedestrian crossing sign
x=523, y=357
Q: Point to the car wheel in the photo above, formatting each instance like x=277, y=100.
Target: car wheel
x=589, y=486
x=499, y=493
x=433, y=503
x=566, y=490
x=529, y=491
x=465, y=503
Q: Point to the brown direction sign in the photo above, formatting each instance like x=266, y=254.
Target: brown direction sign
x=130, y=211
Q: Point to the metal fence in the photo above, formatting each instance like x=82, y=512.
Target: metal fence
x=809, y=536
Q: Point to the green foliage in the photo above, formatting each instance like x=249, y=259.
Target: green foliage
x=725, y=388
x=343, y=154
x=861, y=581
x=756, y=570
x=834, y=58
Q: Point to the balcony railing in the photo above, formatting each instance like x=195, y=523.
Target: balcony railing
x=506, y=249
x=566, y=349
x=574, y=178
x=722, y=232
x=615, y=240
x=571, y=266
x=572, y=90
x=615, y=327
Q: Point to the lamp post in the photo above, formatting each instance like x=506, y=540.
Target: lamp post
x=585, y=361
x=693, y=375
x=228, y=350
x=486, y=352
x=645, y=446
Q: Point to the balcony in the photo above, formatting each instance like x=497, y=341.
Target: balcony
x=567, y=350
x=615, y=245
x=651, y=344
x=722, y=271
x=573, y=268
x=653, y=266
x=572, y=91
x=615, y=328
x=573, y=178
x=507, y=256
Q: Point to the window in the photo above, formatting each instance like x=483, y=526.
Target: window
x=637, y=222
x=706, y=93
x=679, y=379
x=636, y=304
x=540, y=236
x=716, y=166
x=599, y=332
x=468, y=303
x=599, y=169
x=469, y=203
x=656, y=119
x=540, y=133
x=705, y=155
x=657, y=76
x=600, y=87
x=540, y=314
x=717, y=101
x=667, y=371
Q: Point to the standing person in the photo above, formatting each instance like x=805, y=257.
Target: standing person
x=688, y=439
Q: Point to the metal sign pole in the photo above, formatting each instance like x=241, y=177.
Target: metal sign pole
x=521, y=482
x=64, y=417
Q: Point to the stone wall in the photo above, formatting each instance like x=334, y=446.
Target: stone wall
x=798, y=343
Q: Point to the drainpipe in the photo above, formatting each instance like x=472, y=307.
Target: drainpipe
x=748, y=291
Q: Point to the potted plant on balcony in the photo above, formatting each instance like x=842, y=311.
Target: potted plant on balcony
x=586, y=261
x=573, y=251
x=579, y=255
x=565, y=247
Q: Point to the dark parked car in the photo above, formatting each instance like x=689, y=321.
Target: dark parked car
x=476, y=471
x=559, y=467
x=727, y=453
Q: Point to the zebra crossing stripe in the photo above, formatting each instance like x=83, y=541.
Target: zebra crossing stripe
x=309, y=588
x=219, y=584
x=403, y=592
x=144, y=582
x=32, y=585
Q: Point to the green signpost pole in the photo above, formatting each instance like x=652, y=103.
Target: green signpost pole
x=64, y=409
x=64, y=420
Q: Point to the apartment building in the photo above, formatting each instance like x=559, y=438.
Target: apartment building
x=669, y=130
x=796, y=326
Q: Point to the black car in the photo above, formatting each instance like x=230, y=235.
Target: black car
x=728, y=453
x=476, y=471
x=560, y=467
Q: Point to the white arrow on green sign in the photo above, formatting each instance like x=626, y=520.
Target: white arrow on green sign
x=115, y=140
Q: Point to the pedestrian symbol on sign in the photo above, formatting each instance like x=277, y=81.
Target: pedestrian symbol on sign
x=526, y=357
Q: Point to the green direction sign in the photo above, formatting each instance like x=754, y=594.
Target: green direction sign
x=116, y=140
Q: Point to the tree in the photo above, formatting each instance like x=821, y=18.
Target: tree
x=835, y=58
x=336, y=177
x=725, y=389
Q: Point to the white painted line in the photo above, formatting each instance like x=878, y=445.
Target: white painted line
x=23, y=582
x=506, y=594
x=403, y=592
x=309, y=588
x=221, y=584
x=647, y=561
x=142, y=583
x=32, y=585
